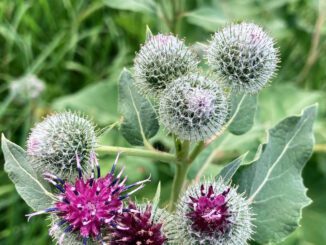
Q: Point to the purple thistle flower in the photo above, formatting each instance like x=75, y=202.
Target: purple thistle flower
x=209, y=212
x=213, y=213
x=89, y=206
x=139, y=227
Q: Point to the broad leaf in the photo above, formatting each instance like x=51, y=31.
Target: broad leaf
x=93, y=101
x=208, y=18
x=243, y=113
x=273, y=181
x=144, y=6
x=240, y=121
x=139, y=117
x=290, y=100
x=230, y=169
x=30, y=188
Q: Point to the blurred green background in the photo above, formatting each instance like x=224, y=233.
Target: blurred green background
x=79, y=47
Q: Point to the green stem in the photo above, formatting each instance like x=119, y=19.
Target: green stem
x=180, y=178
x=182, y=149
x=195, y=152
x=153, y=154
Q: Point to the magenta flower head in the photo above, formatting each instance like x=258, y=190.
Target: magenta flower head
x=141, y=225
x=87, y=207
x=213, y=213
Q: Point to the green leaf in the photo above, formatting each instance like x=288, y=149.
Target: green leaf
x=144, y=6
x=139, y=117
x=273, y=180
x=290, y=100
x=208, y=18
x=156, y=199
x=93, y=101
x=30, y=188
x=241, y=120
x=243, y=113
x=230, y=169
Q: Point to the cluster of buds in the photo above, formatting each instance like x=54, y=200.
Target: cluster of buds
x=191, y=106
x=194, y=107
x=91, y=210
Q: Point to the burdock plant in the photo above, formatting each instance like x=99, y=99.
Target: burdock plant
x=88, y=206
x=143, y=224
x=55, y=144
x=193, y=107
x=258, y=200
x=244, y=56
x=213, y=213
x=162, y=59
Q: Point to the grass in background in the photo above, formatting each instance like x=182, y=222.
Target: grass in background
x=79, y=47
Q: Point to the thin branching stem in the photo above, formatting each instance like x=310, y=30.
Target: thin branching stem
x=152, y=154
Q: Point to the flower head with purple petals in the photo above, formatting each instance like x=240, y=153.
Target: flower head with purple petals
x=209, y=211
x=213, y=213
x=138, y=227
x=87, y=207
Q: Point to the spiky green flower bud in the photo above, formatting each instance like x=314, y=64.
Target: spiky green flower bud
x=162, y=59
x=193, y=107
x=244, y=56
x=55, y=144
x=213, y=213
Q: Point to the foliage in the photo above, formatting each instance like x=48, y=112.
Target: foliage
x=78, y=48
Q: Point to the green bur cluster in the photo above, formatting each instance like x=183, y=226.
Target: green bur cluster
x=193, y=107
x=160, y=60
x=56, y=142
x=241, y=204
x=243, y=56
